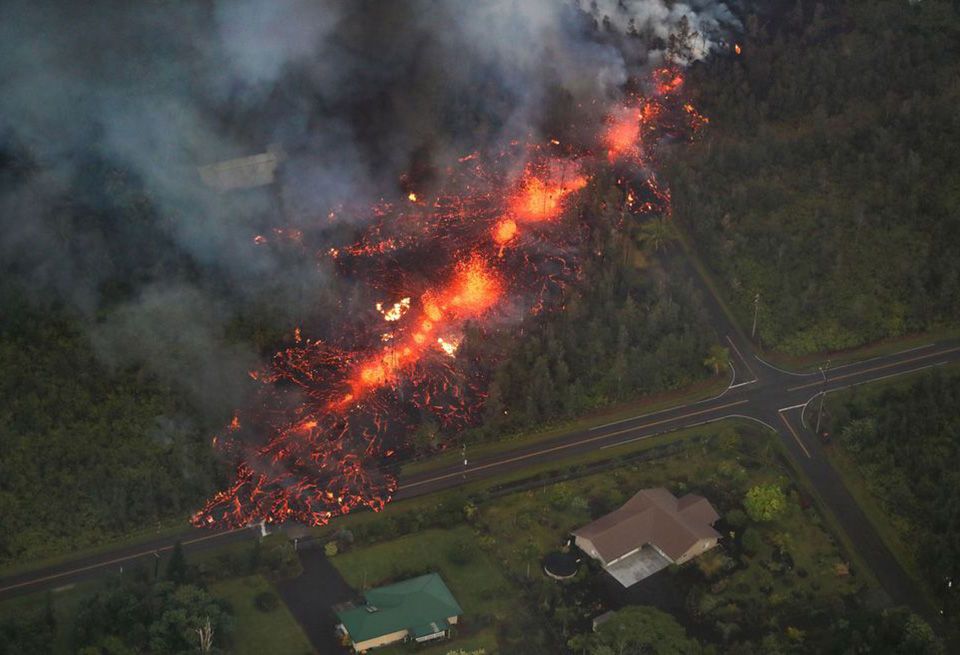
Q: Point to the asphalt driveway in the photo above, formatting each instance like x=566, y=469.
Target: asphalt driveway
x=311, y=597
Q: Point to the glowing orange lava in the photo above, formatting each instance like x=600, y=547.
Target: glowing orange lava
x=335, y=405
x=667, y=80
x=473, y=290
x=504, y=231
x=623, y=132
x=540, y=198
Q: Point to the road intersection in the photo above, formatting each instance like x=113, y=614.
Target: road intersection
x=758, y=391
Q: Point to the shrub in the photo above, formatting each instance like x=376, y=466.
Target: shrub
x=344, y=538
x=712, y=563
x=751, y=541
x=765, y=502
x=579, y=504
x=330, y=549
x=736, y=518
x=266, y=601
x=561, y=497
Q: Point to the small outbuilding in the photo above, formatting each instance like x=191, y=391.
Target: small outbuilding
x=648, y=533
x=420, y=609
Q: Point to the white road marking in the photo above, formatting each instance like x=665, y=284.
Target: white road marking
x=742, y=358
x=786, y=409
x=570, y=444
x=794, y=433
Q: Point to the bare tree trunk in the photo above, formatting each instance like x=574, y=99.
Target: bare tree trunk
x=205, y=633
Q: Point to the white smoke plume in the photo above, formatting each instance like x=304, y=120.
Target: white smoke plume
x=353, y=92
x=710, y=21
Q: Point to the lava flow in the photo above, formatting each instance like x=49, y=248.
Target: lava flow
x=486, y=251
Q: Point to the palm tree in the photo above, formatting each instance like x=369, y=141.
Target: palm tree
x=717, y=357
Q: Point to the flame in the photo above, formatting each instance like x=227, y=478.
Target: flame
x=737, y=49
x=623, y=133
x=449, y=347
x=474, y=289
x=539, y=198
x=667, y=80
x=395, y=311
x=412, y=197
x=504, y=231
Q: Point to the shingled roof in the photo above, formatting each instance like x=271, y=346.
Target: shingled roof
x=656, y=517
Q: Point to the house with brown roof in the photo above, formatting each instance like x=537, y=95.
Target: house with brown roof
x=648, y=533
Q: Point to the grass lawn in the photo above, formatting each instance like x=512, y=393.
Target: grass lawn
x=796, y=562
x=256, y=632
x=475, y=579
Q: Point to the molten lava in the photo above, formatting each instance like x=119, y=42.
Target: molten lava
x=540, y=196
x=504, y=231
x=485, y=250
x=623, y=133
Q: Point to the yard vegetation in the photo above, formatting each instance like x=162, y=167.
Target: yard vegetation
x=260, y=626
x=159, y=610
x=776, y=585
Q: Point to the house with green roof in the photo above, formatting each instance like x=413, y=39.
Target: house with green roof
x=419, y=609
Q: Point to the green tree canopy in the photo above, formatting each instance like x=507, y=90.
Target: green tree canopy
x=765, y=502
x=136, y=617
x=638, y=629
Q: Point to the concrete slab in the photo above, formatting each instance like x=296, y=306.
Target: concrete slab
x=639, y=566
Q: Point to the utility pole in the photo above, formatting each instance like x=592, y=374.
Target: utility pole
x=756, y=310
x=823, y=392
x=463, y=453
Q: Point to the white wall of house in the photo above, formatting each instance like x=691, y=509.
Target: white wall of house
x=587, y=546
x=702, y=546
x=383, y=640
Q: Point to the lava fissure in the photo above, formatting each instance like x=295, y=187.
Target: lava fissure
x=486, y=252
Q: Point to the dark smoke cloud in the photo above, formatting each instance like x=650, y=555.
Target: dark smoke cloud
x=354, y=93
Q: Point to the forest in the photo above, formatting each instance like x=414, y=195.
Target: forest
x=88, y=453
x=906, y=441
x=108, y=413
x=629, y=327
x=826, y=182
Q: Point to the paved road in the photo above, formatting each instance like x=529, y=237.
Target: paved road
x=783, y=401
